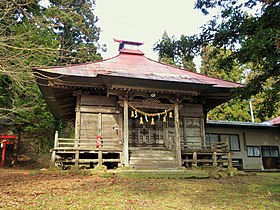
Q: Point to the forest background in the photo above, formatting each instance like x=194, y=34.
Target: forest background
x=233, y=46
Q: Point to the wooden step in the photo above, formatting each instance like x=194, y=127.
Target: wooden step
x=149, y=158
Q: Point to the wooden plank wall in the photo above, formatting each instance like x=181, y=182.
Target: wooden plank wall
x=100, y=116
x=192, y=125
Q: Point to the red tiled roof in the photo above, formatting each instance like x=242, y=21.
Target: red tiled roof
x=133, y=64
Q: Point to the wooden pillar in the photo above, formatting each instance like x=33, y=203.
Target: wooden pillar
x=15, y=151
x=185, y=130
x=215, y=163
x=194, y=162
x=78, y=118
x=177, y=135
x=54, y=150
x=77, y=156
x=202, y=133
x=100, y=159
x=125, y=133
x=229, y=159
x=77, y=126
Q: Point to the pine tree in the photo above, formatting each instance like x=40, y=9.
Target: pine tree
x=175, y=52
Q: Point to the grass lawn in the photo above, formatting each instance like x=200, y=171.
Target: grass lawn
x=20, y=190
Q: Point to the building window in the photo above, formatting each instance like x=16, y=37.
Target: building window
x=212, y=138
x=270, y=151
x=232, y=139
x=253, y=151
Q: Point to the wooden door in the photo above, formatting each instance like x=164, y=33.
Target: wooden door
x=270, y=157
x=101, y=124
x=110, y=130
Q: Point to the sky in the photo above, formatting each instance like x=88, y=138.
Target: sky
x=145, y=21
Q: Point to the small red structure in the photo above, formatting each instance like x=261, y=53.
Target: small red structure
x=98, y=141
x=4, y=140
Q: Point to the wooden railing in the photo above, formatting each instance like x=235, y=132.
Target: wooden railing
x=87, y=144
x=205, y=146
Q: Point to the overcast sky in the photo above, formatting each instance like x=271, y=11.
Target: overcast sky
x=145, y=21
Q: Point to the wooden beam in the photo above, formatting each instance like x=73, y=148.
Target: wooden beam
x=96, y=109
x=152, y=90
x=125, y=134
x=149, y=104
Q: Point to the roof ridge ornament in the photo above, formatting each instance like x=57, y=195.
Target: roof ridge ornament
x=124, y=43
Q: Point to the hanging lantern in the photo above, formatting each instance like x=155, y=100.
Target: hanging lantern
x=132, y=113
x=152, y=121
x=164, y=118
x=170, y=115
x=136, y=114
x=141, y=121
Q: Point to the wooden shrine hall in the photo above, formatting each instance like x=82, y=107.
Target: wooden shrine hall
x=132, y=111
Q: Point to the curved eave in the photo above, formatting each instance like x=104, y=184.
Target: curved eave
x=135, y=65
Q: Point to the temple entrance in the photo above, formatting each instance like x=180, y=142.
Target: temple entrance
x=153, y=136
x=158, y=134
x=146, y=135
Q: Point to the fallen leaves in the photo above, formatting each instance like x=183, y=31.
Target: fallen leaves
x=19, y=189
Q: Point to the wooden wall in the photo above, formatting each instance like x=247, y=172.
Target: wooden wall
x=100, y=117
x=192, y=124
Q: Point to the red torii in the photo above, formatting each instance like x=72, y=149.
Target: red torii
x=4, y=140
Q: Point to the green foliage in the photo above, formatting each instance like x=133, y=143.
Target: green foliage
x=213, y=65
x=33, y=36
x=75, y=23
x=245, y=36
x=254, y=43
x=176, y=52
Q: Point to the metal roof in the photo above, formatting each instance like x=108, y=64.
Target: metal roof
x=133, y=64
x=239, y=124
